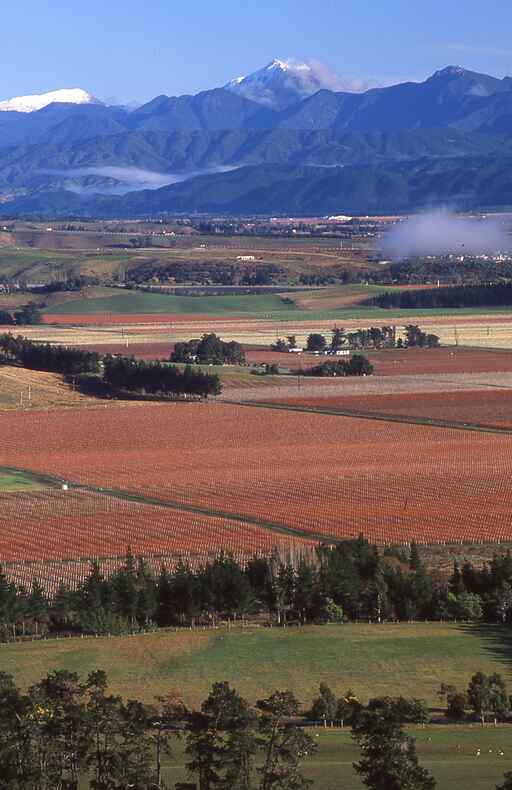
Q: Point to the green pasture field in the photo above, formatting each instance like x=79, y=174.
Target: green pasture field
x=449, y=753
x=133, y=302
x=263, y=306
x=408, y=659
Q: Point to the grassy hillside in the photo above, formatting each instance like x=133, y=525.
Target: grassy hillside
x=410, y=659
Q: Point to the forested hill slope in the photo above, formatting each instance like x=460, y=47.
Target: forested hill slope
x=389, y=187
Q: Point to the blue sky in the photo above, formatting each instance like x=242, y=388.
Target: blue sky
x=130, y=49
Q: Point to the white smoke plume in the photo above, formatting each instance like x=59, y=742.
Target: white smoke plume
x=445, y=233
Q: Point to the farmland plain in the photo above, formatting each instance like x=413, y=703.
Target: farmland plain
x=316, y=475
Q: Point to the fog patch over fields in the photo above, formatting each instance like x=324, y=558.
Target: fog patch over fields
x=443, y=233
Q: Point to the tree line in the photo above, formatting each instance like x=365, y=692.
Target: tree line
x=448, y=269
x=108, y=374
x=483, y=295
x=352, y=581
x=357, y=365
x=43, y=356
x=212, y=272
x=65, y=732
x=127, y=373
x=375, y=337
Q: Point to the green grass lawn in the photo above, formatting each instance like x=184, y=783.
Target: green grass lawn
x=408, y=659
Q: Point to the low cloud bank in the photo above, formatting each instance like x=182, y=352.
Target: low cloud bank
x=84, y=180
x=444, y=233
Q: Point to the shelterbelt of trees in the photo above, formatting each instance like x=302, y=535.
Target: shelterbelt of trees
x=97, y=374
x=484, y=295
x=350, y=582
x=374, y=337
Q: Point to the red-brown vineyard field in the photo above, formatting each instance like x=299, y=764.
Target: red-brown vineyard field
x=471, y=407
x=107, y=319
x=317, y=475
x=51, y=534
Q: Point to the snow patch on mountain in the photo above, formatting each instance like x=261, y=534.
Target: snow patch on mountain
x=38, y=101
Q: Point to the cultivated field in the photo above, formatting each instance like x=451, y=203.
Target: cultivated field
x=472, y=407
x=457, y=329
x=315, y=474
x=50, y=534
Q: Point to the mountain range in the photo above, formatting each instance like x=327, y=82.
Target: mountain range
x=288, y=128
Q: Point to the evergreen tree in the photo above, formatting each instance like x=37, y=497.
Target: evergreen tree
x=147, y=602
x=283, y=744
x=388, y=760
x=104, y=713
x=165, y=614
x=305, y=590
x=339, y=338
x=415, y=563
x=316, y=342
x=185, y=594
x=63, y=737
x=38, y=609
x=61, y=611
x=134, y=745
x=221, y=742
x=456, y=585
x=18, y=761
x=125, y=588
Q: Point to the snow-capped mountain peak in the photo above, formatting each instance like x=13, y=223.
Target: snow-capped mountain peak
x=278, y=84
x=38, y=101
x=282, y=83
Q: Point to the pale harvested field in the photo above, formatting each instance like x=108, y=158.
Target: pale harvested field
x=485, y=331
x=281, y=388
